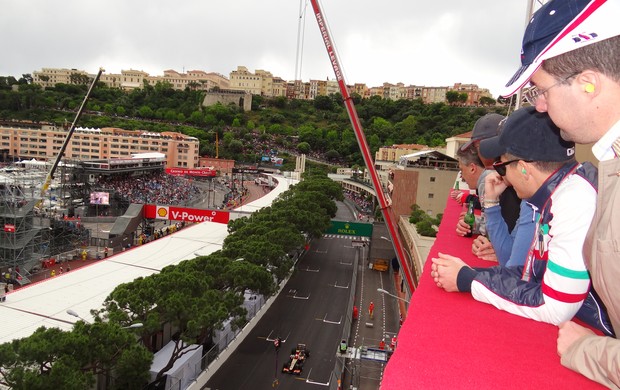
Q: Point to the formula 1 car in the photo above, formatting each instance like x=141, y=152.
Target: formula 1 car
x=296, y=360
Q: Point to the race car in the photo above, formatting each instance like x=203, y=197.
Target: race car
x=296, y=360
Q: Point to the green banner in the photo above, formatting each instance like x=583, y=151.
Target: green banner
x=350, y=228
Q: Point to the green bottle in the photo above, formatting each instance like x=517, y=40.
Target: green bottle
x=470, y=218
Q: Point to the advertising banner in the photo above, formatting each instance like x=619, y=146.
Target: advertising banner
x=202, y=172
x=173, y=213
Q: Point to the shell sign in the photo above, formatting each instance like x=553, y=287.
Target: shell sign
x=152, y=211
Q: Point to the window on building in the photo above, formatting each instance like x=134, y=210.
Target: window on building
x=432, y=179
x=431, y=196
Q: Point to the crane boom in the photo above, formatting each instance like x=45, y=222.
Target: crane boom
x=363, y=144
x=61, y=152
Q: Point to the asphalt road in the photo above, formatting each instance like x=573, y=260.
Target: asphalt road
x=311, y=310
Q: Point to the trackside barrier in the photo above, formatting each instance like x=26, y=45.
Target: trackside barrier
x=214, y=358
x=338, y=372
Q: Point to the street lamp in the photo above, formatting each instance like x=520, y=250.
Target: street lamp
x=133, y=326
x=382, y=291
x=74, y=314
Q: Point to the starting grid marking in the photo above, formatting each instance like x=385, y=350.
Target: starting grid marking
x=343, y=236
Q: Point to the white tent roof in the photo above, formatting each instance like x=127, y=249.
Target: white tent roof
x=46, y=303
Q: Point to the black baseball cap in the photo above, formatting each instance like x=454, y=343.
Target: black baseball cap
x=485, y=127
x=530, y=135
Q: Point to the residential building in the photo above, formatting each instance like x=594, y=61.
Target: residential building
x=244, y=80
x=132, y=79
x=193, y=79
x=434, y=94
x=49, y=77
x=43, y=142
x=393, y=153
x=261, y=82
x=474, y=93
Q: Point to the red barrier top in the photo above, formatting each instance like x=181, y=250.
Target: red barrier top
x=451, y=341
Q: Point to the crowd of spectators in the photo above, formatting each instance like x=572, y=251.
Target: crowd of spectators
x=157, y=187
x=362, y=204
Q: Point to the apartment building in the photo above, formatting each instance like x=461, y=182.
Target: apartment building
x=244, y=80
x=434, y=94
x=474, y=93
x=49, y=77
x=43, y=142
x=261, y=82
x=132, y=79
x=193, y=79
x=395, y=152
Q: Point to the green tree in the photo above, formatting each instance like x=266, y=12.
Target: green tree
x=55, y=359
x=303, y=147
x=487, y=101
x=452, y=97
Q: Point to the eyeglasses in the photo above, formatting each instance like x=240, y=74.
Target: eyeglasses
x=500, y=166
x=532, y=94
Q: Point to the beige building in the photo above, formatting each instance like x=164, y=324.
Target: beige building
x=132, y=79
x=193, y=79
x=49, y=77
x=262, y=83
x=43, y=142
x=244, y=80
x=279, y=87
x=434, y=94
x=395, y=152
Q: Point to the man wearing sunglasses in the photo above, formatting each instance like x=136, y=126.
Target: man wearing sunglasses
x=571, y=58
x=485, y=127
x=513, y=246
x=553, y=282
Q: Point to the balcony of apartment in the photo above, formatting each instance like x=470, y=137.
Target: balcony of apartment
x=451, y=341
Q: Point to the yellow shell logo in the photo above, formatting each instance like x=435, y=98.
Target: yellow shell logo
x=162, y=212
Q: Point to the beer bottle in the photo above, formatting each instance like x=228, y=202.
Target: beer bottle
x=470, y=218
x=456, y=185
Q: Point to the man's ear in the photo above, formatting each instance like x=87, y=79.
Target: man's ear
x=589, y=82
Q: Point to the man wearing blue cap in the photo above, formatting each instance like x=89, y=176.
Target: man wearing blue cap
x=571, y=58
x=553, y=282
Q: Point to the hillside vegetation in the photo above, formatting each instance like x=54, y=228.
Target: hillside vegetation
x=318, y=127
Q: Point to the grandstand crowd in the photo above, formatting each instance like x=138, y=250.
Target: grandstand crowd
x=157, y=187
x=362, y=204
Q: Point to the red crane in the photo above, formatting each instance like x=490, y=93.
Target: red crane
x=363, y=144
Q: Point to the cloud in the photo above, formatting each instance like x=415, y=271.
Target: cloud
x=423, y=43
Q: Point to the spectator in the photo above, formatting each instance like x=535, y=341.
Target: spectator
x=576, y=79
x=472, y=172
x=553, y=283
x=510, y=247
x=487, y=127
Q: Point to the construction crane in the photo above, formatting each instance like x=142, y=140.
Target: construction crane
x=61, y=152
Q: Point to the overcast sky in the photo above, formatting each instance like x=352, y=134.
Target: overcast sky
x=431, y=43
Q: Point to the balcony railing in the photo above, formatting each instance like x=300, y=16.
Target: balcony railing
x=451, y=341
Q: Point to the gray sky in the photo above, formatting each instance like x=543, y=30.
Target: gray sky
x=432, y=43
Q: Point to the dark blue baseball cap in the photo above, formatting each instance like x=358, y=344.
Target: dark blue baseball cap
x=530, y=135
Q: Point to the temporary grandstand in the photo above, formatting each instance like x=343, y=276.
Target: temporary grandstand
x=46, y=303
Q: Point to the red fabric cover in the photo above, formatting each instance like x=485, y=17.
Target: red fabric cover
x=451, y=341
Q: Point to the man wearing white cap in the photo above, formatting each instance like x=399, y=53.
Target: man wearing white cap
x=571, y=58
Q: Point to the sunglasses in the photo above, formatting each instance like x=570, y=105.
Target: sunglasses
x=500, y=166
